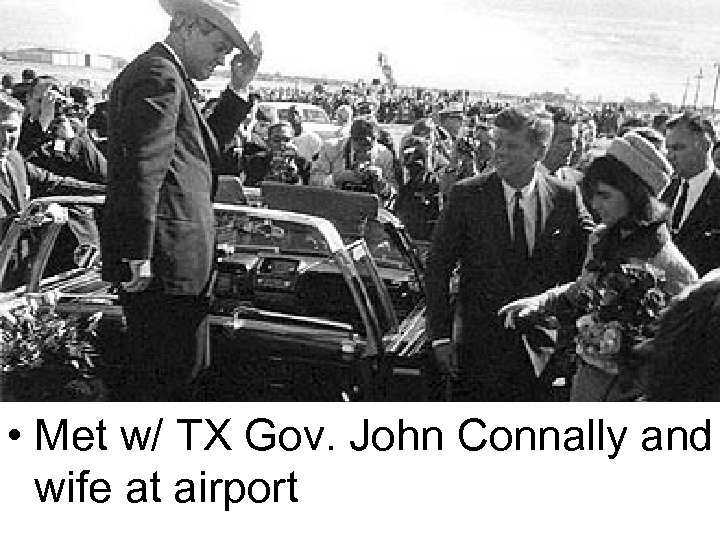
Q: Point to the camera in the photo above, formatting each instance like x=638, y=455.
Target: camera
x=69, y=108
x=283, y=168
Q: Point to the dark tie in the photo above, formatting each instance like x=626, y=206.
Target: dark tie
x=520, y=245
x=680, y=207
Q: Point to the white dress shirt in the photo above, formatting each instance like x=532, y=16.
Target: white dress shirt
x=529, y=204
x=696, y=185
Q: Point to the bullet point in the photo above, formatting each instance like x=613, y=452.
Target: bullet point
x=14, y=434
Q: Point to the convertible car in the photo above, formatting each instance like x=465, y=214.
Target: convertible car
x=317, y=298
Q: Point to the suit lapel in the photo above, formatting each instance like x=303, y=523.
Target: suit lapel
x=669, y=195
x=13, y=188
x=210, y=142
x=497, y=213
x=498, y=226
x=703, y=208
x=547, y=219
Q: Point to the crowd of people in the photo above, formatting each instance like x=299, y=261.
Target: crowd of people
x=528, y=204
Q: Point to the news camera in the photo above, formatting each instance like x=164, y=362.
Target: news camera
x=283, y=168
x=363, y=179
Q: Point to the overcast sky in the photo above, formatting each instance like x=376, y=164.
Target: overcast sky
x=612, y=48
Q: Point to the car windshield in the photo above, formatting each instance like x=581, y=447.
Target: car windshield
x=384, y=251
x=239, y=231
x=314, y=116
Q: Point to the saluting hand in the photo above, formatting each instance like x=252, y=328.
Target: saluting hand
x=244, y=65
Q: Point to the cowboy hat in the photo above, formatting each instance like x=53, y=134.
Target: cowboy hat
x=225, y=14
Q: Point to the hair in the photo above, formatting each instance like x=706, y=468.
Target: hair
x=365, y=122
x=28, y=74
x=345, y=108
x=7, y=81
x=561, y=115
x=643, y=207
x=684, y=355
x=9, y=104
x=630, y=124
x=659, y=121
x=695, y=122
x=539, y=123
x=278, y=125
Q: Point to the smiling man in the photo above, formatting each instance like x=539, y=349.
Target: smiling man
x=515, y=232
x=158, y=229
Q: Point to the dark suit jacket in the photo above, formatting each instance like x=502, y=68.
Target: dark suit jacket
x=474, y=230
x=161, y=155
x=45, y=183
x=13, y=194
x=699, y=237
x=80, y=159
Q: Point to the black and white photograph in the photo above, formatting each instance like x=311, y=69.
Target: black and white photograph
x=462, y=200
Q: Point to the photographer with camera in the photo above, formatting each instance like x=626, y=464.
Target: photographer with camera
x=357, y=163
x=418, y=201
x=54, y=138
x=280, y=162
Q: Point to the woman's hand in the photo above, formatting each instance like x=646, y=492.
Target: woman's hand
x=518, y=309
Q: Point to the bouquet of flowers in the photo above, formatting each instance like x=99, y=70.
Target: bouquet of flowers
x=48, y=357
x=616, y=311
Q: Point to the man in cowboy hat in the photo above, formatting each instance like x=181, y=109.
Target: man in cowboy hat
x=158, y=228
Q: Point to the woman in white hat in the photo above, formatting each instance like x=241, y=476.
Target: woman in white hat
x=624, y=186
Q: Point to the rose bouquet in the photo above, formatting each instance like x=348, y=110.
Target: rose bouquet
x=616, y=311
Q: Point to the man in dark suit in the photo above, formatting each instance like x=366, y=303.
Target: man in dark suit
x=515, y=232
x=20, y=179
x=694, y=195
x=158, y=234
x=14, y=191
x=51, y=140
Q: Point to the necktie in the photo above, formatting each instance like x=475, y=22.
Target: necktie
x=680, y=207
x=520, y=245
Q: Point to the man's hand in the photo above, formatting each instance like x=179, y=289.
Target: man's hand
x=375, y=173
x=140, y=276
x=517, y=310
x=63, y=129
x=244, y=65
x=446, y=358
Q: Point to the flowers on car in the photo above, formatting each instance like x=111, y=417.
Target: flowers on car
x=45, y=355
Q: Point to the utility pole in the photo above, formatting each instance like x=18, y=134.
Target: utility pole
x=687, y=87
x=717, y=76
x=699, y=77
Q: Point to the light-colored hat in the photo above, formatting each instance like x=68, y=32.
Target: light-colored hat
x=225, y=14
x=642, y=158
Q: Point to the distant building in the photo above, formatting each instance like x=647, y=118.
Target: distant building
x=56, y=57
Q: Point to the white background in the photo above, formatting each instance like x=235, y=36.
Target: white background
x=345, y=494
